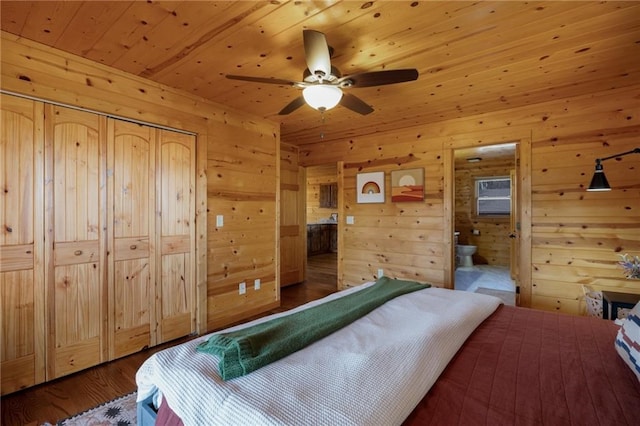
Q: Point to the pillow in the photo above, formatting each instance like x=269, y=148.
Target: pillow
x=628, y=340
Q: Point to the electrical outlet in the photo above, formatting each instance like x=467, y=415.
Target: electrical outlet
x=350, y=220
x=380, y=273
x=475, y=232
x=242, y=288
x=219, y=221
x=256, y=284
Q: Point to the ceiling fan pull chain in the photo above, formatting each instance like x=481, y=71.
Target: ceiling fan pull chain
x=322, y=125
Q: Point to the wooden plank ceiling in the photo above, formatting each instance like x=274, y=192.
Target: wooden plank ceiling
x=473, y=57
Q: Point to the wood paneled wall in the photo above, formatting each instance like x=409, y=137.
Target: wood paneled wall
x=237, y=164
x=493, y=242
x=242, y=187
x=403, y=239
x=574, y=237
x=316, y=176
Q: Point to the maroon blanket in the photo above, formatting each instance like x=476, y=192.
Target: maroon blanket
x=528, y=367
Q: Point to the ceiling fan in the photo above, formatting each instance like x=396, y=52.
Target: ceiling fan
x=322, y=83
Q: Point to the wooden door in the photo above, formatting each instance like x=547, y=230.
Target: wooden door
x=76, y=244
x=132, y=253
x=22, y=295
x=292, y=217
x=175, y=227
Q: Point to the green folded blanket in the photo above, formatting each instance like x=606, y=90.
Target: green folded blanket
x=249, y=349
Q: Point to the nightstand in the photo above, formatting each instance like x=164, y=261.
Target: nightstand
x=617, y=300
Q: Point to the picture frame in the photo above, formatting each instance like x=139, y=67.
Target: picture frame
x=407, y=185
x=370, y=187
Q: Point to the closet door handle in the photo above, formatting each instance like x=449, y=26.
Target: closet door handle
x=77, y=252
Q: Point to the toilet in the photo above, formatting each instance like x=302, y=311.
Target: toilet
x=464, y=253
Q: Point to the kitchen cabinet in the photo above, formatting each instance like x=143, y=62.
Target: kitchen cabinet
x=322, y=238
x=329, y=195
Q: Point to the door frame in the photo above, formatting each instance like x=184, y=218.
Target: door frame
x=523, y=165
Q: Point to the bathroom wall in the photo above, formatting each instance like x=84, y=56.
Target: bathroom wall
x=493, y=242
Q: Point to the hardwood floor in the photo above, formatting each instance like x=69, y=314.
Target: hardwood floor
x=69, y=395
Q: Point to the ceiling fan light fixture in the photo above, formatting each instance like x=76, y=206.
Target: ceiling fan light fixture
x=322, y=96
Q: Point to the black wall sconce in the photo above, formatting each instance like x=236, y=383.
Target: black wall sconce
x=599, y=181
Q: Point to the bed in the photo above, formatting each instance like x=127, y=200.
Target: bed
x=433, y=356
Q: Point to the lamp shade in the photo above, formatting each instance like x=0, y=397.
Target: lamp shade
x=322, y=96
x=599, y=180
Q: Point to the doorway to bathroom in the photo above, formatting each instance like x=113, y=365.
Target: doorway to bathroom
x=485, y=220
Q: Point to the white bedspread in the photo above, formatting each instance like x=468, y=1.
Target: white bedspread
x=372, y=372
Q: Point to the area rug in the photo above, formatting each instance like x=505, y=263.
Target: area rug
x=117, y=412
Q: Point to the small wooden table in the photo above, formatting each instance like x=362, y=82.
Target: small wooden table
x=617, y=300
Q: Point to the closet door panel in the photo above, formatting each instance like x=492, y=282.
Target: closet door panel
x=22, y=295
x=176, y=176
x=19, y=365
x=77, y=327
x=132, y=266
x=76, y=281
x=132, y=302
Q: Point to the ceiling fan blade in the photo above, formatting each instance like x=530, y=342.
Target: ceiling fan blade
x=292, y=106
x=379, y=78
x=355, y=104
x=316, y=53
x=263, y=80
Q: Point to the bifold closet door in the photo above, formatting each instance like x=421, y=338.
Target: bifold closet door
x=22, y=295
x=76, y=245
x=176, y=235
x=132, y=253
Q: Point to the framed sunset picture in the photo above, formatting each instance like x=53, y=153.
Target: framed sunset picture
x=407, y=185
x=370, y=187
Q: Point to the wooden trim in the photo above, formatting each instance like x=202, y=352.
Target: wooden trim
x=39, y=245
x=111, y=247
x=193, y=260
x=449, y=219
x=341, y=224
x=302, y=206
x=201, y=232
x=49, y=254
x=278, y=207
x=102, y=238
x=108, y=115
x=524, y=188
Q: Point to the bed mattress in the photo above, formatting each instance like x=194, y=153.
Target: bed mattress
x=527, y=367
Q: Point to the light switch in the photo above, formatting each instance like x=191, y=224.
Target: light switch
x=242, y=288
x=219, y=220
x=256, y=284
x=350, y=220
